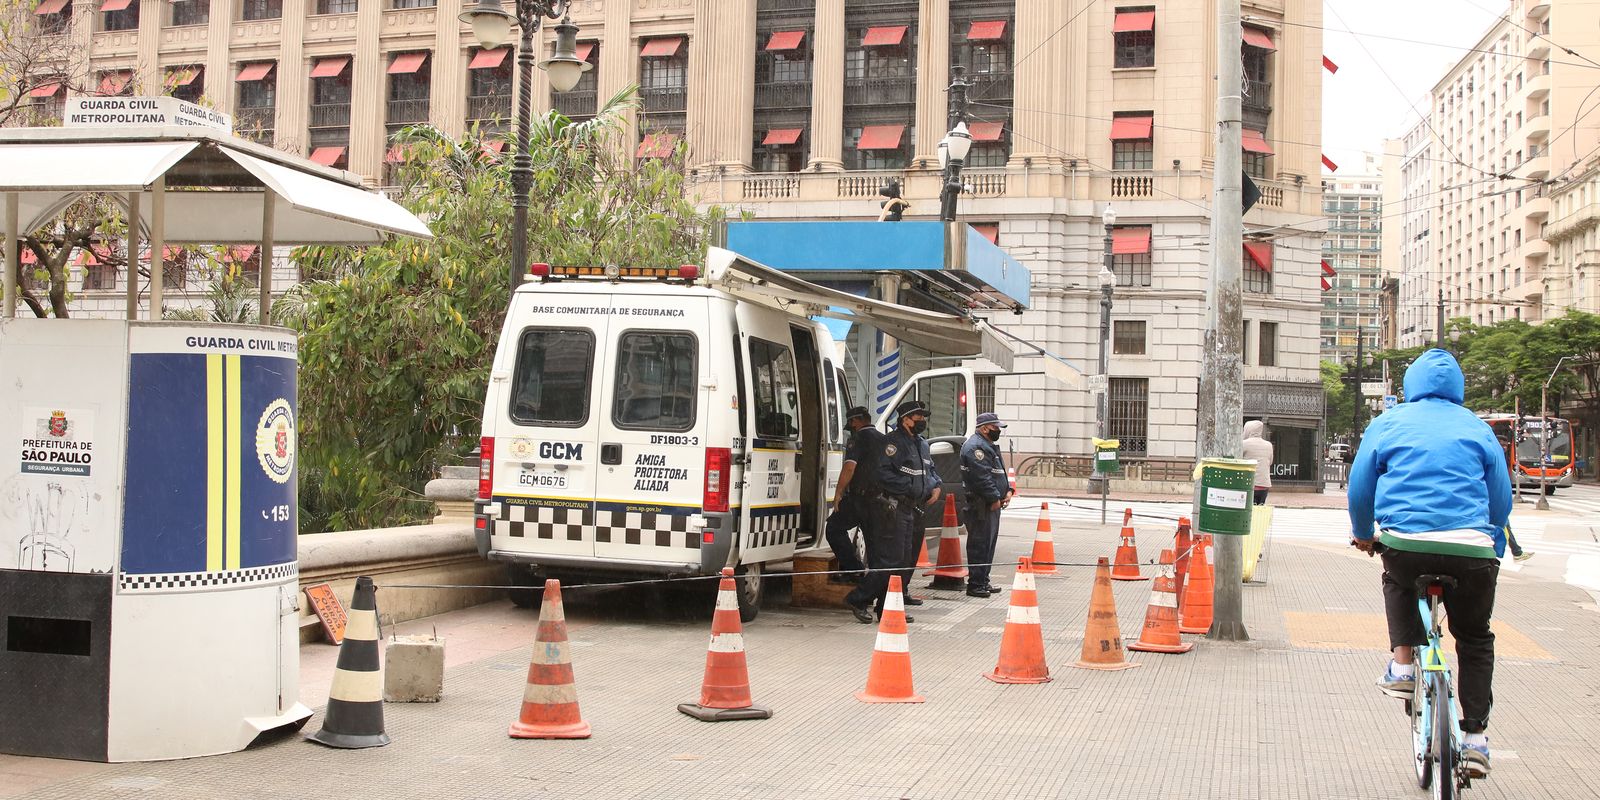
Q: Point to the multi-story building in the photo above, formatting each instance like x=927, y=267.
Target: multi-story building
x=804, y=109
x=1408, y=239
x=1353, y=206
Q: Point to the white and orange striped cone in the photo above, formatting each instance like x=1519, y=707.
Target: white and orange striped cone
x=1160, y=634
x=1126, y=566
x=1011, y=477
x=889, y=677
x=949, y=572
x=1102, y=635
x=725, y=691
x=1044, y=546
x=550, y=700
x=1022, y=643
x=354, y=717
x=1195, y=610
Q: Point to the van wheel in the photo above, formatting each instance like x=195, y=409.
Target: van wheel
x=747, y=585
x=522, y=575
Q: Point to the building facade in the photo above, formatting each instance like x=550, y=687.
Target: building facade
x=804, y=109
x=1408, y=240
x=1353, y=249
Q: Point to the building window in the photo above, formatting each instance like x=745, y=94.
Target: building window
x=1267, y=344
x=1127, y=337
x=190, y=12
x=985, y=47
x=489, y=87
x=879, y=146
x=410, y=85
x=413, y=3
x=664, y=76
x=1132, y=140
x=186, y=83
x=1134, y=32
x=261, y=9
x=1130, y=255
x=878, y=68
x=336, y=6
x=783, y=71
x=780, y=150
x=54, y=16
x=583, y=101
x=256, y=116
x=1258, y=267
x=1128, y=414
x=117, y=83
x=119, y=15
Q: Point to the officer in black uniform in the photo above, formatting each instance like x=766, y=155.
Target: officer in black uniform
x=983, y=474
x=856, y=493
x=910, y=484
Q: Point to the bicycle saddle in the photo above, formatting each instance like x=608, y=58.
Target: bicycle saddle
x=1425, y=581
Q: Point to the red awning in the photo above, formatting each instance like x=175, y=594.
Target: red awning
x=1260, y=254
x=585, y=49
x=50, y=7
x=1255, y=142
x=778, y=136
x=989, y=230
x=112, y=83
x=1327, y=64
x=182, y=76
x=1328, y=162
x=884, y=37
x=395, y=155
x=656, y=145
x=1130, y=241
x=407, y=63
x=1327, y=270
x=1134, y=22
x=238, y=254
x=663, y=47
x=46, y=90
x=881, y=137
x=171, y=252
x=986, y=131
x=115, y=5
x=1256, y=37
x=987, y=30
x=327, y=156
x=1132, y=128
x=26, y=256
x=785, y=40
x=495, y=145
x=330, y=67
x=489, y=59
x=256, y=71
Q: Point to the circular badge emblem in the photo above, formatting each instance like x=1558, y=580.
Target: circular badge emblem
x=521, y=449
x=275, y=441
x=978, y=455
x=890, y=450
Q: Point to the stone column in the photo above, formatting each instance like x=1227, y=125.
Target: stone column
x=447, y=107
x=933, y=79
x=721, y=104
x=292, y=92
x=619, y=65
x=369, y=93
x=1031, y=122
x=218, y=76
x=827, y=87
x=148, y=77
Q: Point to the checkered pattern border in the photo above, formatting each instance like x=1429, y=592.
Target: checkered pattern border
x=277, y=573
x=580, y=524
x=660, y=530
x=774, y=529
x=544, y=522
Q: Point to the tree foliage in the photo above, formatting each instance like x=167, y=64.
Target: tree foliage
x=397, y=339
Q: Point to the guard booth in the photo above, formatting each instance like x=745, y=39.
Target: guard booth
x=148, y=509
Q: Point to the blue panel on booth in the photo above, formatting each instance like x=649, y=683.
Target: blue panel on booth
x=164, y=507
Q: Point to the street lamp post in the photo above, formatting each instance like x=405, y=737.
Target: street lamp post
x=954, y=147
x=1108, y=281
x=1542, y=503
x=492, y=25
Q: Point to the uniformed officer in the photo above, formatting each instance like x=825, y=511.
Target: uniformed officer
x=910, y=484
x=983, y=474
x=857, y=490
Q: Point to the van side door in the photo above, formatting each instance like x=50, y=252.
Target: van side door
x=769, y=519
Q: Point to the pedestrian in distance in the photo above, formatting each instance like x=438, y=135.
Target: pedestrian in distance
x=988, y=490
x=910, y=484
x=857, y=491
x=1258, y=448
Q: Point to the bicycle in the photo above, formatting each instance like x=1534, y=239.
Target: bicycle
x=1435, y=725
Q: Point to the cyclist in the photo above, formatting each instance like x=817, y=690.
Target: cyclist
x=1432, y=476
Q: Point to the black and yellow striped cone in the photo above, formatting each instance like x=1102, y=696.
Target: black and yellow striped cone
x=354, y=718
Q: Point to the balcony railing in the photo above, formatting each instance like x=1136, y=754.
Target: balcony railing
x=867, y=184
x=989, y=87
x=576, y=104
x=1133, y=187
x=408, y=111
x=1258, y=94
x=769, y=187
x=330, y=115
x=663, y=99
x=783, y=94
x=878, y=91
x=489, y=106
x=985, y=183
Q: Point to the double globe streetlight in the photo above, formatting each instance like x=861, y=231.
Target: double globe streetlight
x=492, y=25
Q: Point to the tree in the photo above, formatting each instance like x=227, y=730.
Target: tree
x=36, y=53
x=1339, y=402
x=397, y=338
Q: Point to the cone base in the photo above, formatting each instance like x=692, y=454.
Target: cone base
x=523, y=730
x=708, y=714
x=998, y=678
x=1162, y=648
x=872, y=698
x=348, y=741
x=1121, y=665
x=1038, y=570
x=1130, y=577
x=948, y=582
x=1206, y=628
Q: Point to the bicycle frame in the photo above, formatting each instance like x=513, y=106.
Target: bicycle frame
x=1433, y=687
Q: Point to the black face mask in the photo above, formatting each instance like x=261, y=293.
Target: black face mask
x=918, y=426
x=993, y=436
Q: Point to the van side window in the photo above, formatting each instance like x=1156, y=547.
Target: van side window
x=777, y=391
x=833, y=400
x=656, y=381
x=552, y=381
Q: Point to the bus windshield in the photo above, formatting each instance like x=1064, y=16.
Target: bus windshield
x=1533, y=442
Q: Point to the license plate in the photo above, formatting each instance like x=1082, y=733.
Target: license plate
x=542, y=480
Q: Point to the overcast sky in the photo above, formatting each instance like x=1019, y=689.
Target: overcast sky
x=1360, y=105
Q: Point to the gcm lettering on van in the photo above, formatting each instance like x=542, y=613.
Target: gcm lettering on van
x=561, y=451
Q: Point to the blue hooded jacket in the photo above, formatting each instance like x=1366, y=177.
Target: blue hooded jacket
x=1431, y=472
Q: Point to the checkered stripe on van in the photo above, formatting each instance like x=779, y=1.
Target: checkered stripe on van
x=646, y=528
x=543, y=522
x=140, y=582
x=775, y=529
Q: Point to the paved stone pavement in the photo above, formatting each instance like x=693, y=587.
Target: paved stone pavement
x=1291, y=714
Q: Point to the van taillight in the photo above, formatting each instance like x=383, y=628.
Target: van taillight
x=719, y=473
x=485, y=467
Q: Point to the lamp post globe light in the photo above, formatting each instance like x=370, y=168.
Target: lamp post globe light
x=1108, y=281
x=953, y=150
x=492, y=25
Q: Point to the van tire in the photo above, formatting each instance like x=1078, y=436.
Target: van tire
x=747, y=585
x=520, y=575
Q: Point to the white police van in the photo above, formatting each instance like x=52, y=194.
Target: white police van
x=674, y=422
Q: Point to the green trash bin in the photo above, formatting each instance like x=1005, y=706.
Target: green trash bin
x=1105, y=457
x=1225, y=488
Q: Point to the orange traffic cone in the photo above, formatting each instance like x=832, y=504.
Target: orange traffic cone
x=1102, y=635
x=1127, y=558
x=950, y=572
x=1195, y=614
x=1044, y=547
x=1160, y=634
x=725, y=692
x=922, y=556
x=1022, y=644
x=550, y=702
x=889, y=677
x=1011, y=478
x=1182, y=547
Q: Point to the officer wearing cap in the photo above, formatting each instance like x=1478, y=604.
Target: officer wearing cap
x=857, y=490
x=910, y=484
x=983, y=474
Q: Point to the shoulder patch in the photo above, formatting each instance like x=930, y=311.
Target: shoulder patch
x=890, y=450
x=978, y=454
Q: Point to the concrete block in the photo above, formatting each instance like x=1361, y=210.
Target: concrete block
x=413, y=669
x=813, y=590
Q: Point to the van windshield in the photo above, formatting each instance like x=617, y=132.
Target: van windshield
x=655, y=386
x=552, y=381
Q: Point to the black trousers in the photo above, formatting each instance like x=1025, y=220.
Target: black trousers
x=1470, y=605
x=983, y=532
x=844, y=518
x=1261, y=496
x=891, y=549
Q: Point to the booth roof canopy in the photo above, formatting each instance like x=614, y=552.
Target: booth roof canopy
x=215, y=185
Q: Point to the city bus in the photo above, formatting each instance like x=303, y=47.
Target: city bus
x=1528, y=469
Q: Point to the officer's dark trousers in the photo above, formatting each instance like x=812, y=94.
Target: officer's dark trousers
x=983, y=532
x=847, y=516
x=887, y=542
x=1470, y=605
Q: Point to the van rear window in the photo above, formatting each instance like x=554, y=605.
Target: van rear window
x=656, y=381
x=552, y=380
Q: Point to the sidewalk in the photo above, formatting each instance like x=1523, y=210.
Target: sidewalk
x=1290, y=714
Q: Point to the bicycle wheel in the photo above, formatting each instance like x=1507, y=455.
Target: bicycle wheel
x=1444, y=744
x=1421, y=734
